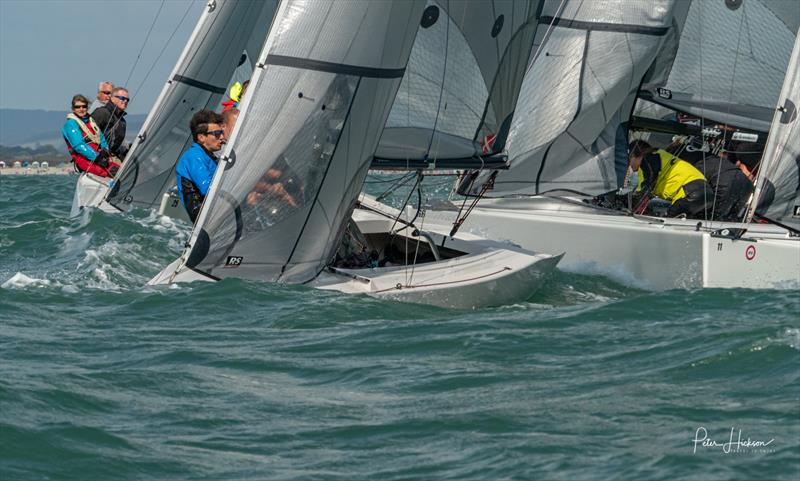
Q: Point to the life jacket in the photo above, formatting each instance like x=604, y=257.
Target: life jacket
x=674, y=173
x=91, y=135
x=229, y=104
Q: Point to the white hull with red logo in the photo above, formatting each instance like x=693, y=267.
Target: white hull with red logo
x=648, y=252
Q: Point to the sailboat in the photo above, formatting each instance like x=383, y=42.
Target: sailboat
x=318, y=101
x=220, y=50
x=719, y=60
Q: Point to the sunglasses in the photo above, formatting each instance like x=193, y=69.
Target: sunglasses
x=216, y=133
x=80, y=106
x=106, y=93
x=123, y=98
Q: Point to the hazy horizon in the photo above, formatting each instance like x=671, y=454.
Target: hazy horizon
x=81, y=42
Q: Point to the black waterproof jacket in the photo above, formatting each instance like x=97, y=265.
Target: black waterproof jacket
x=111, y=121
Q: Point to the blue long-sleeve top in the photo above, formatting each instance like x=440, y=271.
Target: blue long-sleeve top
x=197, y=165
x=74, y=135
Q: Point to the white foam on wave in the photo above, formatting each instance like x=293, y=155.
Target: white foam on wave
x=789, y=337
x=21, y=281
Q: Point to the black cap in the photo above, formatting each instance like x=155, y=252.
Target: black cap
x=748, y=153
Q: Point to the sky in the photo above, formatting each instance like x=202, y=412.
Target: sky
x=52, y=49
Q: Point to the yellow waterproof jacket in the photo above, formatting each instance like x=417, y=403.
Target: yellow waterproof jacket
x=671, y=174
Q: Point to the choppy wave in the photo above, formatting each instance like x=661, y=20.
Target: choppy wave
x=102, y=377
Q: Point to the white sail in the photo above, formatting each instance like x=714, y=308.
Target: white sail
x=461, y=85
x=226, y=30
x=579, y=92
x=309, y=127
x=780, y=165
x=727, y=60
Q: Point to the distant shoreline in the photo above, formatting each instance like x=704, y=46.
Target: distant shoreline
x=59, y=170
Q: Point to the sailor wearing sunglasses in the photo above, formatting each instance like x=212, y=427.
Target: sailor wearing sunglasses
x=196, y=167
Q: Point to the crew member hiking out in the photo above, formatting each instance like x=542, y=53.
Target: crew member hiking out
x=85, y=141
x=196, y=167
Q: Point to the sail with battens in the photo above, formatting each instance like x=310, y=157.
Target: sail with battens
x=225, y=33
x=569, y=131
x=457, y=98
x=311, y=121
x=726, y=60
x=780, y=164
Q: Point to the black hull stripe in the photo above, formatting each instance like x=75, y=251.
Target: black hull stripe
x=338, y=68
x=606, y=27
x=198, y=84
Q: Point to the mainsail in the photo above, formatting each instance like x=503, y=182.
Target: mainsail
x=728, y=60
x=457, y=98
x=227, y=31
x=570, y=130
x=780, y=165
x=290, y=175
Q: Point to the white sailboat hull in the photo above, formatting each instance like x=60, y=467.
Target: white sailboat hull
x=490, y=278
x=90, y=191
x=650, y=253
x=489, y=273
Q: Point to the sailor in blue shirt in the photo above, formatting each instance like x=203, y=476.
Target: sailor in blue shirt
x=196, y=167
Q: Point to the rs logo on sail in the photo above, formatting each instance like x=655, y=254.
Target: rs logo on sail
x=234, y=261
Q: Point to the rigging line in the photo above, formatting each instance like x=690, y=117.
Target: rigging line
x=147, y=75
x=419, y=179
x=546, y=35
x=730, y=99
x=419, y=230
x=153, y=65
x=400, y=183
x=147, y=37
x=486, y=186
x=444, y=75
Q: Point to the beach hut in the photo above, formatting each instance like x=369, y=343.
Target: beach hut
x=2, y=165
x=35, y=164
x=45, y=165
x=17, y=164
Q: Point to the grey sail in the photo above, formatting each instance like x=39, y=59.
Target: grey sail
x=457, y=98
x=227, y=31
x=289, y=177
x=570, y=129
x=780, y=165
x=727, y=61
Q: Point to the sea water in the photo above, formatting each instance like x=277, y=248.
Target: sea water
x=103, y=378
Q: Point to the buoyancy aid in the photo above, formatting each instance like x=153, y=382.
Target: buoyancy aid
x=673, y=174
x=91, y=135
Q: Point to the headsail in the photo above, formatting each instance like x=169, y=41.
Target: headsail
x=457, y=98
x=227, y=31
x=728, y=60
x=317, y=103
x=570, y=129
x=780, y=165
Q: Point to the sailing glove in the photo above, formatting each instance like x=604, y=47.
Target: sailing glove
x=102, y=159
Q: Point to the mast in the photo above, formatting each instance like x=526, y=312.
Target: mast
x=309, y=126
x=198, y=80
x=780, y=164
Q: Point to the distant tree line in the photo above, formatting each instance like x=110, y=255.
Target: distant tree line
x=47, y=153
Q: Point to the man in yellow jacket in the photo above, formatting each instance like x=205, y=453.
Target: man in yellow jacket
x=666, y=176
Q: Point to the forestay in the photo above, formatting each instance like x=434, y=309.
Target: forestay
x=728, y=61
x=570, y=129
x=457, y=98
x=290, y=175
x=218, y=47
x=780, y=164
